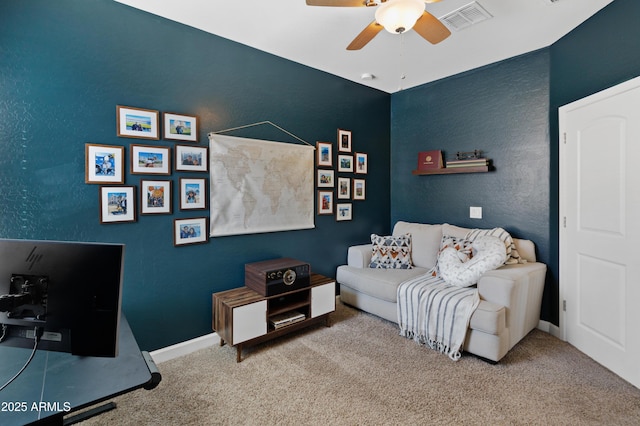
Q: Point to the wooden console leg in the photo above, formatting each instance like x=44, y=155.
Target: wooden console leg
x=238, y=353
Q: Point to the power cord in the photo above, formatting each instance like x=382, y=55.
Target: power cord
x=4, y=332
x=37, y=332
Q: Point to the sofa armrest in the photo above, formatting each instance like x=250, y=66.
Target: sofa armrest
x=359, y=256
x=519, y=289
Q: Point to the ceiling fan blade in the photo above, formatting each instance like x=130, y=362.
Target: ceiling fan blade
x=337, y=3
x=365, y=36
x=431, y=29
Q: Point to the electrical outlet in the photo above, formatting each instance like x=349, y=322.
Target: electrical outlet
x=475, y=212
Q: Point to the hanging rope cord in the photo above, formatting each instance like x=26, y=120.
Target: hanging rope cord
x=259, y=124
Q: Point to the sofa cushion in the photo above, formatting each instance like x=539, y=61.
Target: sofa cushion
x=391, y=252
x=488, y=253
x=379, y=283
x=425, y=241
x=454, y=230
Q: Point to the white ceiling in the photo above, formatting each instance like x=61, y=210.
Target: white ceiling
x=318, y=36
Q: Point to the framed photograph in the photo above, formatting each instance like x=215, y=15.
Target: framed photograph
x=324, y=153
x=325, y=178
x=361, y=163
x=155, y=197
x=103, y=163
x=344, y=188
x=192, y=158
x=358, y=189
x=344, y=140
x=137, y=122
x=193, y=194
x=345, y=163
x=117, y=204
x=180, y=127
x=325, y=202
x=190, y=231
x=344, y=211
x=150, y=160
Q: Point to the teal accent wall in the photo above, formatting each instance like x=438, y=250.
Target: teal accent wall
x=509, y=110
x=67, y=64
x=502, y=110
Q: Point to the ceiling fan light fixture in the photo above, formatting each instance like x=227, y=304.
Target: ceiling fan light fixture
x=398, y=16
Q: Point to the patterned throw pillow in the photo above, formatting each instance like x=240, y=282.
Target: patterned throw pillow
x=512, y=254
x=391, y=252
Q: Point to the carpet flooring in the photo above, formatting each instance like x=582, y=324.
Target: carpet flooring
x=360, y=371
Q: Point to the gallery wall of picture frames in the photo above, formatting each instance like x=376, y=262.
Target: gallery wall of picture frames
x=105, y=165
x=340, y=177
x=348, y=184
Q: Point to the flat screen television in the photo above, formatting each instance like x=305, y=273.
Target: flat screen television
x=69, y=293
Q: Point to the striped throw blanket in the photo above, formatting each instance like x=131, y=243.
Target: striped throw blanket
x=435, y=313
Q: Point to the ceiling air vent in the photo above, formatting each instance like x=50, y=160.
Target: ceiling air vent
x=465, y=16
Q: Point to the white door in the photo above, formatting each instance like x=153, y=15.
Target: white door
x=600, y=227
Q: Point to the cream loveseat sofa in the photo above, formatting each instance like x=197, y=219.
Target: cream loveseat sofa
x=510, y=296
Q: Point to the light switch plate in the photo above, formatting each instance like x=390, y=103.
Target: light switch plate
x=475, y=212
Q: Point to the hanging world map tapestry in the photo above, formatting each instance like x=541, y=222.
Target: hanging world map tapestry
x=259, y=186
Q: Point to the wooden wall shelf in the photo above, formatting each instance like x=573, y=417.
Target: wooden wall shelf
x=451, y=170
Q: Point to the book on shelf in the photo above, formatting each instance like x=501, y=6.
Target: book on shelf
x=475, y=162
x=285, y=319
x=429, y=160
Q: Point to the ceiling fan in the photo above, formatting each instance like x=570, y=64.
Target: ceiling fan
x=396, y=16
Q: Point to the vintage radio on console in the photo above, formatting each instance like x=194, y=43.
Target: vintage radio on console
x=271, y=277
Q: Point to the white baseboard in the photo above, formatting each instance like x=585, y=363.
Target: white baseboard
x=185, y=348
x=208, y=340
x=550, y=328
